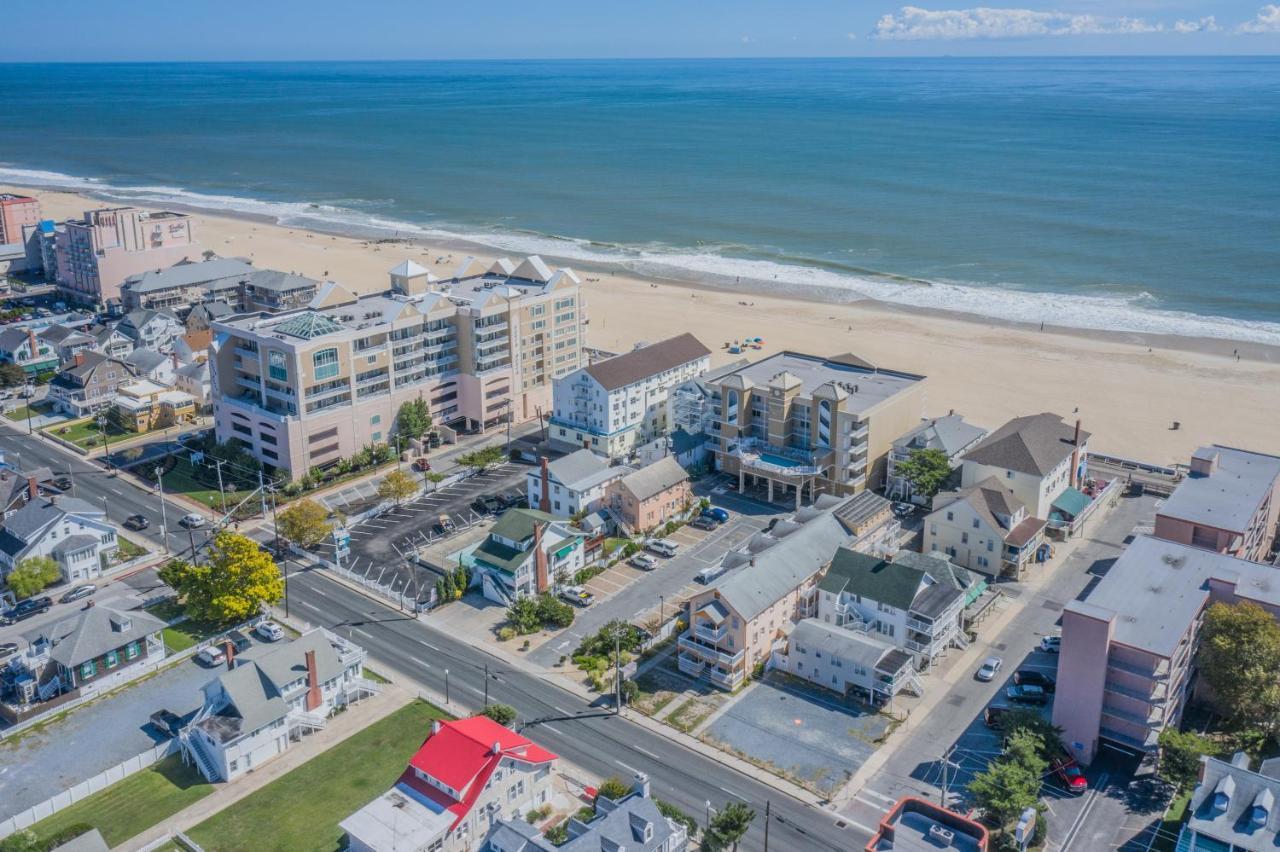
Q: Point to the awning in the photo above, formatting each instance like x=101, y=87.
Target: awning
x=1069, y=504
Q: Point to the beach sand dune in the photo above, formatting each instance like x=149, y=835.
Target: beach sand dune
x=1128, y=390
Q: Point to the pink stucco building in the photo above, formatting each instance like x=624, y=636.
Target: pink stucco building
x=1128, y=650
x=652, y=495
x=97, y=253
x=1229, y=503
x=16, y=212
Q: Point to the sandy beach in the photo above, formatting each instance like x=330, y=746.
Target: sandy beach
x=1127, y=389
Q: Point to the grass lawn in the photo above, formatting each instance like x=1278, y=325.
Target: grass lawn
x=128, y=549
x=133, y=805
x=302, y=809
x=184, y=634
x=20, y=413
x=182, y=480
x=85, y=433
x=1167, y=839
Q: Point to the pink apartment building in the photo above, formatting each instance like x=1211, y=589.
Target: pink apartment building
x=1229, y=503
x=17, y=212
x=1128, y=650
x=97, y=253
x=652, y=495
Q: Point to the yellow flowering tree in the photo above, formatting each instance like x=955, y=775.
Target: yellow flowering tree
x=236, y=581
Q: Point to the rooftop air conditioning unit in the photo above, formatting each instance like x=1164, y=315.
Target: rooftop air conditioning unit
x=943, y=835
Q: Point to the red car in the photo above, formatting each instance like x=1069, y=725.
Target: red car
x=1069, y=774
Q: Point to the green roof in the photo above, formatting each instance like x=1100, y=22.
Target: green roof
x=1071, y=502
x=866, y=576
x=518, y=524
x=308, y=325
x=498, y=555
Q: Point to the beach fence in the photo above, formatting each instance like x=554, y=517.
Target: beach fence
x=32, y=815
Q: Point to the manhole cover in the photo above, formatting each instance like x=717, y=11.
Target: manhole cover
x=1053, y=605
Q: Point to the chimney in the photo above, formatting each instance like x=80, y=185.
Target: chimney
x=80, y=358
x=313, y=683
x=435, y=727
x=497, y=748
x=641, y=785
x=544, y=502
x=229, y=651
x=33, y=489
x=1075, y=454
x=31, y=338
x=540, y=558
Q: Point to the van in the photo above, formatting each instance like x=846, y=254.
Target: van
x=706, y=575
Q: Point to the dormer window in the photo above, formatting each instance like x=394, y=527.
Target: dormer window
x=1260, y=812
x=1222, y=794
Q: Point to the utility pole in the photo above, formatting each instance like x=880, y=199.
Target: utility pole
x=946, y=763
x=106, y=440
x=262, y=494
x=508, y=428
x=284, y=560
x=486, y=686
x=768, y=806
x=164, y=523
x=446, y=687
x=218, y=463
x=617, y=672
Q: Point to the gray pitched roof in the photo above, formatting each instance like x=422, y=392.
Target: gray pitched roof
x=622, y=370
x=1034, y=444
x=1235, y=805
x=277, y=281
x=145, y=360
x=655, y=478
x=988, y=498
x=621, y=825
x=72, y=543
x=859, y=648
x=12, y=338
x=188, y=273
x=578, y=469
x=58, y=334
x=90, y=633
x=198, y=371
x=949, y=434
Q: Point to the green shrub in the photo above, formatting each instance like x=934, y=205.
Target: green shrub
x=506, y=634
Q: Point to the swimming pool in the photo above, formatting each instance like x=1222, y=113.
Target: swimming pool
x=780, y=461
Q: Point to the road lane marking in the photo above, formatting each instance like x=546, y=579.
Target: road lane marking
x=422, y=663
x=646, y=751
x=635, y=771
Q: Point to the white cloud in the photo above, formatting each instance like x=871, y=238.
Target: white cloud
x=912, y=22
x=852, y=36
x=1204, y=25
x=1267, y=21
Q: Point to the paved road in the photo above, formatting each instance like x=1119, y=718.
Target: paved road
x=585, y=735
x=915, y=768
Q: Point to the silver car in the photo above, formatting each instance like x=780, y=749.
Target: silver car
x=990, y=666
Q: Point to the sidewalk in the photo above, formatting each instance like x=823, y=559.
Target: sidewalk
x=355, y=719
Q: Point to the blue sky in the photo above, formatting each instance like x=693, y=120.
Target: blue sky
x=134, y=30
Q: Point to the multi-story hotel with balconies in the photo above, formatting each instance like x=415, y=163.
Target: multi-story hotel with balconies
x=794, y=421
x=1128, y=649
x=96, y=254
x=307, y=387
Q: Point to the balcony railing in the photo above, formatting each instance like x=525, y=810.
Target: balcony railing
x=708, y=652
x=791, y=461
x=715, y=635
x=728, y=680
x=1161, y=672
x=692, y=666
x=928, y=628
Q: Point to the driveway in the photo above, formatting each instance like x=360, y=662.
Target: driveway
x=801, y=731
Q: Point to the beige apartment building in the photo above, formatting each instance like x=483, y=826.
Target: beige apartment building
x=96, y=254
x=307, y=387
x=794, y=422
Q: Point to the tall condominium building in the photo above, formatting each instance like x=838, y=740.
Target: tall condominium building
x=307, y=387
x=17, y=212
x=792, y=421
x=97, y=253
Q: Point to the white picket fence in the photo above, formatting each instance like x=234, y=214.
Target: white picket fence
x=73, y=794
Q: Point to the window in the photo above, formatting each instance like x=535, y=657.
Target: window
x=964, y=538
x=376, y=437
x=276, y=366
x=131, y=650
x=1008, y=474
x=975, y=523
x=375, y=420
x=951, y=516
x=326, y=364
x=88, y=669
x=112, y=659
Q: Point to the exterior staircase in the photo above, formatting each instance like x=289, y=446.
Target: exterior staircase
x=191, y=746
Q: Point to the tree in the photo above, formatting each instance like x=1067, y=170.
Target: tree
x=11, y=375
x=1239, y=658
x=22, y=841
x=503, y=714
x=1022, y=719
x=234, y=584
x=613, y=788
x=728, y=827
x=1011, y=784
x=1180, y=753
x=33, y=575
x=305, y=523
x=926, y=470
x=397, y=485
x=414, y=418
x=482, y=459
x=554, y=612
x=523, y=615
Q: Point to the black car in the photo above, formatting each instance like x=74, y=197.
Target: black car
x=703, y=523
x=25, y=609
x=491, y=503
x=62, y=483
x=991, y=715
x=136, y=522
x=1034, y=678
x=239, y=640
x=166, y=722
x=8, y=649
x=514, y=500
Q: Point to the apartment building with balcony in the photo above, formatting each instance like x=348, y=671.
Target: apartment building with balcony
x=949, y=435
x=1229, y=503
x=1128, y=649
x=97, y=254
x=185, y=284
x=769, y=584
x=1037, y=457
x=844, y=660
x=614, y=405
x=985, y=528
x=795, y=422
x=914, y=602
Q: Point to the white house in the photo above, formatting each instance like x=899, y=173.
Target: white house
x=613, y=405
x=914, y=602
x=269, y=697
x=468, y=777
x=526, y=553
x=1037, y=457
x=840, y=659
x=74, y=533
x=949, y=435
x=152, y=366
x=574, y=483
x=193, y=379
x=150, y=329
x=984, y=527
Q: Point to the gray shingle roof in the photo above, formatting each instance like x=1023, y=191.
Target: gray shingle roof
x=1240, y=795
x=578, y=470
x=90, y=633
x=1034, y=444
x=145, y=360
x=949, y=434
x=655, y=478
x=988, y=498
x=622, y=370
x=277, y=281
x=188, y=273
x=858, y=648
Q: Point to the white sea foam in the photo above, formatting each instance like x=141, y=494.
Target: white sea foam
x=1136, y=313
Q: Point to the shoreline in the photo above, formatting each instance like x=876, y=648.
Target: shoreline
x=1129, y=387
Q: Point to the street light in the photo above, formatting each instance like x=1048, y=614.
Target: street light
x=164, y=523
x=106, y=441
x=446, y=687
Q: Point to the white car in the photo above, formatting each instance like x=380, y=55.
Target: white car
x=270, y=631
x=192, y=521
x=1051, y=644
x=644, y=562
x=661, y=546
x=706, y=575
x=990, y=666
x=211, y=656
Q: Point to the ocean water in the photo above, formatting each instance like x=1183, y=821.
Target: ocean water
x=1128, y=194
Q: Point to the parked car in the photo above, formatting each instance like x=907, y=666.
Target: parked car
x=270, y=631
x=8, y=649
x=238, y=641
x=1026, y=694
x=991, y=716
x=81, y=591
x=1051, y=644
x=578, y=596
x=715, y=513
x=136, y=522
x=421, y=465
x=661, y=546
x=192, y=521
x=514, y=500
x=490, y=503
x=1026, y=677
x=904, y=510
x=1069, y=773
x=703, y=522
x=211, y=656
x=63, y=483
x=644, y=562
x=23, y=610
x=706, y=575
x=166, y=722
x=445, y=524
x=988, y=669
